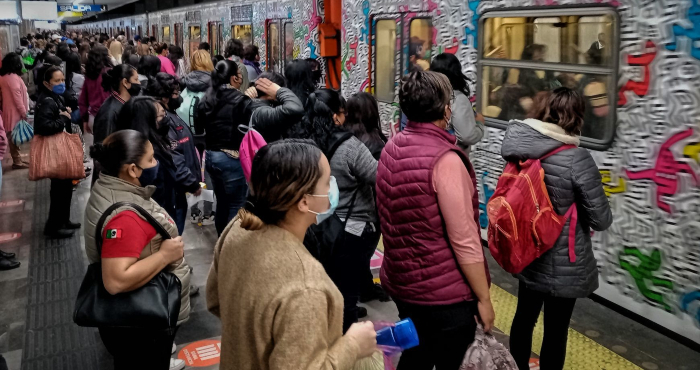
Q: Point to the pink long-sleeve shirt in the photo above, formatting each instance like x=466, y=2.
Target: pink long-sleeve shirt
x=15, y=102
x=167, y=66
x=91, y=97
x=454, y=191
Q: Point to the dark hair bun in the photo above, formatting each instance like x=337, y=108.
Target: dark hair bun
x=97, y=151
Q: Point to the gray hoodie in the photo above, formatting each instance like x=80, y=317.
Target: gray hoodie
x=570, y=176
x=197, y=81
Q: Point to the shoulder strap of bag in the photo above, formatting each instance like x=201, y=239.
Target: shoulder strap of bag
x=243, y=128
x=100, y=224
x=331, y=153
x=559, y=150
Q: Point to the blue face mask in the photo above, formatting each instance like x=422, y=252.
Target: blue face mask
x=149, y=175
x=59, y=89
x=333, y=196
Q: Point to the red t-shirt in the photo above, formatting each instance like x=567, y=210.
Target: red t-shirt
x=125, y=235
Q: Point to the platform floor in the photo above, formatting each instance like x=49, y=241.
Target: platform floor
x=36, y=302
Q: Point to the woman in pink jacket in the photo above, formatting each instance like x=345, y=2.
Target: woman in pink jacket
x=15, y=101
x=166, y=65
x=93, y=94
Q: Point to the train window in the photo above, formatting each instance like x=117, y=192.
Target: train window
x=273, y=47
x=215, y=37
x=195, y=38
x=139, y=31
x=288, y=42
x=243, y=32
x=385, y=61
x=166, y=34
x=524, y=55
x=154, y=31
x=420, y=44
x=178, y=34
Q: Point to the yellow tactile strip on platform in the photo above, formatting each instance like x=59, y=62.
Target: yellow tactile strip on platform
x=582, y=353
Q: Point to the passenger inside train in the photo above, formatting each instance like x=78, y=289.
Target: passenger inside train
x=384, y=195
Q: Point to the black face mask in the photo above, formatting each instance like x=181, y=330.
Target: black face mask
x=173, y=104
x=134, y=90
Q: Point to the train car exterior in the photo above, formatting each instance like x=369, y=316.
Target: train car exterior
x=636, y=61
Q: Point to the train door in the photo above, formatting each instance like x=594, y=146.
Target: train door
x=154, y=31
x=129, y=32
x=242, y=23
x=288, y=32
x=400, y=43
x=139, y=31
x=216, y=37
x=178, y=35
x=9, y=37
x=195, y=37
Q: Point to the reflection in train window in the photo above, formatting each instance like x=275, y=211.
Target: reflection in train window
x=243, y=32
x=166, y=34
x=215, y=37
x=523, y=58
x=385, y=60
x=288, y=42
x=420, y=44
x=178, y=35
x=273, y=47
x=195, y=38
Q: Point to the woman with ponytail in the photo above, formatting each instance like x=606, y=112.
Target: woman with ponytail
x=290, y=315
x=355, y=169
x=220, y=112
x=93, y=94
x=132, y=257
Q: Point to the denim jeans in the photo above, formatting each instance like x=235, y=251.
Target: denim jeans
x=230, y=187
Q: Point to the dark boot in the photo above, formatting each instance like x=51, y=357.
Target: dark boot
x=4, y=254
x=57, y=233
x=6, y=264
x=71, y=225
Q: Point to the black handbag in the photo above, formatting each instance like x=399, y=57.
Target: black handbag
x=155, y=305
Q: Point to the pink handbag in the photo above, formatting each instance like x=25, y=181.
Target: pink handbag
x=58, y=156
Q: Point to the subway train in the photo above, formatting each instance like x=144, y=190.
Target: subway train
x=637, y=62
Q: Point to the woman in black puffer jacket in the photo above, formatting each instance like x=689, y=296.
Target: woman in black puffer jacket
x=571, y=176
x=51, y=117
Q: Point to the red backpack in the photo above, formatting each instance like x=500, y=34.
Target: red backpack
x=522, y=222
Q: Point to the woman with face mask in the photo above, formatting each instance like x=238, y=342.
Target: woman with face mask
x=219, y=114
x=434, y=266
x=355, y=169
x=188, y=174
x=147, y=116
x=50, y=118
x=134, y=252
x=290, y=315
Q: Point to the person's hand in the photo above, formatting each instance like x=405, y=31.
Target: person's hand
x=366, y=337
x=173, y=249
x=69, y=110
x=198, y=192
x=251, y=92
x=268, y=87
x=480, y=118
x=486, y=315
x=66, y=114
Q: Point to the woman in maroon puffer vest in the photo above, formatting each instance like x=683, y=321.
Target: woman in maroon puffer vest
x=434, y=266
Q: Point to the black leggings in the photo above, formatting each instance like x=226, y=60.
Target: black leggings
x=557, y=314
x=135, y=349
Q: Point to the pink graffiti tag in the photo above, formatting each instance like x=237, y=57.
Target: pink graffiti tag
x=432, y=6
x=642, y=60
x=313, y=21
x=665, y=172
x=353, y=59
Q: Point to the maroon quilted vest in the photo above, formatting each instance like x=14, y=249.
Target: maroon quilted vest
x=419, y=265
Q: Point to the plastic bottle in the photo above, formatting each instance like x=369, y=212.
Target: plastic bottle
x=403, y=335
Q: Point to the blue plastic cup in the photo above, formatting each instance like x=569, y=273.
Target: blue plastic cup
x=402, y=335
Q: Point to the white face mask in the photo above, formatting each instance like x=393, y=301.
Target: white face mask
x=333, y=197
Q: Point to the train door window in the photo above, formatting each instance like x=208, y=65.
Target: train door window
x=154, y=31
x=128, y=33
x=215, y=37
x=243, y=32
x=178, y=34
x=288, y=42
x=195, y=38
x=166, y=34
x=525, y=54
x=420, y=42
x=385, y=60
x=273, y=47
x=139, y=31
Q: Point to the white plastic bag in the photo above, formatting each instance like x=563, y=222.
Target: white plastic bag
x=207, y=195
x=486, y=353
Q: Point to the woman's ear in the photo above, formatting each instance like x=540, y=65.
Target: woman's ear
x=132, y=171
x=303, y=204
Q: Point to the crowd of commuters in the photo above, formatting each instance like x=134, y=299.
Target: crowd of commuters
x=156, y=118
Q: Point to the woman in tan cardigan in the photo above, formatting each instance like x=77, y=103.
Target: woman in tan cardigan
x=278, y=307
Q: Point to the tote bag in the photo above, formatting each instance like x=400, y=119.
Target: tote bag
x=22, y=133
x=58, y=156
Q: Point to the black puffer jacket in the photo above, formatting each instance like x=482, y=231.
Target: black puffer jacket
x=106, y=119
x=274, y=119
x=571, y=176
x=220, y=115
x=47, y=118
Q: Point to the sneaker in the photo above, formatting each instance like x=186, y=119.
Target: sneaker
x=174, y=348
x=195, y=218
x=376, y=292
x=361, y=312
x=176, y=364
x=193, y=290
x=207, y=220
x=20, y=166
